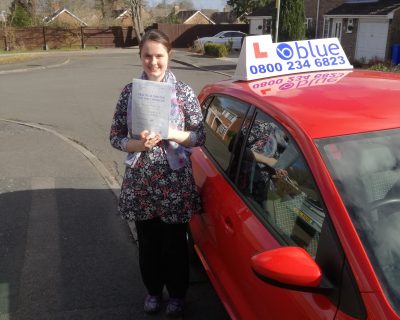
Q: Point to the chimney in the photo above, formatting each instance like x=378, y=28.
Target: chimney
x=3, y=16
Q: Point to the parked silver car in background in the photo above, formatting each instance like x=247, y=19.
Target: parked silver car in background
x=222, y=37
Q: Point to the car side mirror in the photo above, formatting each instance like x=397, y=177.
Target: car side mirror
x=290, y=268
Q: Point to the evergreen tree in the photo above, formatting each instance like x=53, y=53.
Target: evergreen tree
x=291, y=21
x=21, y=13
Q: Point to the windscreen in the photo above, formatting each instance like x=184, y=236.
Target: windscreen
x=366, y=171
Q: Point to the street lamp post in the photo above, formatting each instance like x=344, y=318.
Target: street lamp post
x=278, y=7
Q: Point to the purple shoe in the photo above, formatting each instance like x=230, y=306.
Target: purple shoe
x=175, y=307
x=152, y=304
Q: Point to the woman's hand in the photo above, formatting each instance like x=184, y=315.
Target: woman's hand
x=149, y=140
x=181, y=137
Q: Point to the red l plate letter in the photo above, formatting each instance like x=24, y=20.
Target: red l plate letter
x=257, y=52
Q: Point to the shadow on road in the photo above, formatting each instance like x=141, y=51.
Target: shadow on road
x=64, y=254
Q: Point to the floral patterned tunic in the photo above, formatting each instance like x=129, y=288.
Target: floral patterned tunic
x=151, y=188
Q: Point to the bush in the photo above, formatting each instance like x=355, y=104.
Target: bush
x=396, y=68
x=216, y=49
x=379, y=67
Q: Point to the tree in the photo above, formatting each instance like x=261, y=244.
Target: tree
x=291, y=21
x=21, y=14
x=241, y=7
x=105, y=7
x=135, y=7
x=185, y=4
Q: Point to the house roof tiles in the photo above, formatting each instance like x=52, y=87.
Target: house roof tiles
x=55, y=14
x=267, y=11
x=382, y=7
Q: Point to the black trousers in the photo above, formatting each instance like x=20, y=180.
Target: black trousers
x=163, y=257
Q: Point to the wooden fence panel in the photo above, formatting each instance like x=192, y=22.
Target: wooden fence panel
x=110, y=37
x=56, y=38
x=25, y=38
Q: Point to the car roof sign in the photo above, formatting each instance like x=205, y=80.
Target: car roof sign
x=261, y=58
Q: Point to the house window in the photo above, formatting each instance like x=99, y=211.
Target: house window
x=337, y=28
x=308, y=23
x=326, y=28
x=267, y=26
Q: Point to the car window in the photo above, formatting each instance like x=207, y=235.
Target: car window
x=223, y=118
x=275, y=178
x=236, y=34
x=219, y=34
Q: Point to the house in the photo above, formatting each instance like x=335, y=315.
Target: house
x=260, y=20
x=225, y=17
x=367, y=29
x=123, y=17
x=192, y=17
x=224, y=122
x=65, y=17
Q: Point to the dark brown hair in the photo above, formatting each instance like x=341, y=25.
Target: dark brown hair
x=157, y=36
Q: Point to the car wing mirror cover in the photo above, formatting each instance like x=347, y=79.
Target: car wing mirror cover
x=291, y=266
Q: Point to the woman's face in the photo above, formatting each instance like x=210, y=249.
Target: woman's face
x=154, y=57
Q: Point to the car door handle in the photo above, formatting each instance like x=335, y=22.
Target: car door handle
x=228, y=224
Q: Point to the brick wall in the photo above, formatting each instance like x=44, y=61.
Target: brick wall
x=349, y=39
x=310, y=10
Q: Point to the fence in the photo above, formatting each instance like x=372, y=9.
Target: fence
x=54, y=38
x=181, y=36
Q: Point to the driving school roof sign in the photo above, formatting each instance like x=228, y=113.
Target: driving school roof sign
x=260, y=58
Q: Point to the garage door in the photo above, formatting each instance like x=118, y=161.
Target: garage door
x=371, y=39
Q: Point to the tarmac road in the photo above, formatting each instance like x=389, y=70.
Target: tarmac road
x=64, y=254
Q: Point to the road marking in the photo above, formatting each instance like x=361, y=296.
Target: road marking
x=34, y=68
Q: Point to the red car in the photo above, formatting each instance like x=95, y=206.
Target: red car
x=300, y=183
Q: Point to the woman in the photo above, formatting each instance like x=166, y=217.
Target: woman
x=158, y=191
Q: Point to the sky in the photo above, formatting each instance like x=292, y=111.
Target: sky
x=199, y=4
x=210, y=4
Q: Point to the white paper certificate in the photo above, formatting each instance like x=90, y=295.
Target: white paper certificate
x=151, y=106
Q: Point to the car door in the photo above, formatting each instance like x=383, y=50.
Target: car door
x=247, y=211
x=236, y=39
x=212, y=230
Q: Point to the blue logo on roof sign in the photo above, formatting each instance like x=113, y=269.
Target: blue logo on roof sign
x=260, y=58
x=316, y=50
x=284, y=51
